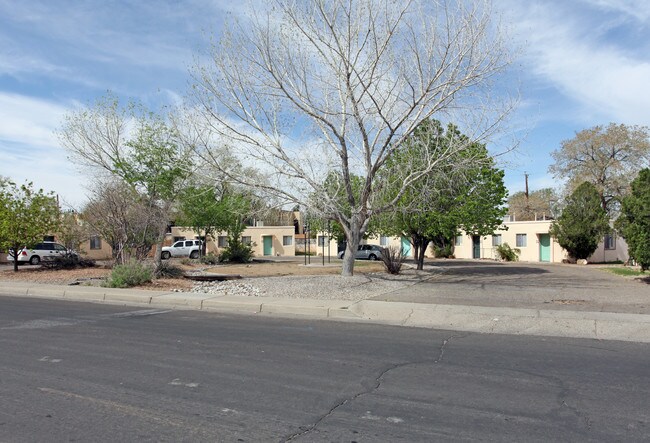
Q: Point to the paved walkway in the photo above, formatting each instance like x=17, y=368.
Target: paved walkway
x=484, y=297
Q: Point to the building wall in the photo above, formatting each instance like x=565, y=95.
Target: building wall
x=104, y=252
x=256, y=234
x=531, y=252
x=616, y=252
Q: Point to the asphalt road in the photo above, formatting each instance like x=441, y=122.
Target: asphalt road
x=86, y=372
x=526, y=285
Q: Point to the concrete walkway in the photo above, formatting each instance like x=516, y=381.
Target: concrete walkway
x=564, y=322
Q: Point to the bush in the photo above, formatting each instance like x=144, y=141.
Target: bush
x=392, y=258
x=210, y=259
x=236, y=252
x=506, y=253
x=134, y=273
x=168, y=270
x=67, y=261
x=446, y=251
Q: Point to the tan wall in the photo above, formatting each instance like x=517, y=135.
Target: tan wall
x=256, y=233
x=531, y=252
x=103, y=253
x=618, y=253
x=372, y=240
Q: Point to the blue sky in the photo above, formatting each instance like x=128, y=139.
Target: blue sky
x=582, y=63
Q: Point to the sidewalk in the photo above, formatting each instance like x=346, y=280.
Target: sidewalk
x=459, y=317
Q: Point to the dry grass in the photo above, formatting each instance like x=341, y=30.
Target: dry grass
x=94, y=276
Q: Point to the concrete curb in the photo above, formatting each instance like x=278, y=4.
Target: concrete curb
x=517, y=321
x=493, y=320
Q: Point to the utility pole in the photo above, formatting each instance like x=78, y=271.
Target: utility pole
x=526, y=177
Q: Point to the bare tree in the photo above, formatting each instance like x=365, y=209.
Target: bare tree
x=609, y=157
x=124, y=219
x=137, y=147
x=312, y=90
x=540, y=204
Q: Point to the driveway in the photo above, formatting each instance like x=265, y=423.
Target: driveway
x=526, y=285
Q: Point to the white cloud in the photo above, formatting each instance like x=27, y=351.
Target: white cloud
x=639, y=9
x=30, y=121
x=567, y=48
x=29, y=148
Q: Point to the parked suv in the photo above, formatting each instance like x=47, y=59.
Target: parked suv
x=42, y=251
x=182, y=248
x=367, y=252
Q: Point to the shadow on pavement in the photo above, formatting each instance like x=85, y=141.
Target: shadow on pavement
x=482, y=268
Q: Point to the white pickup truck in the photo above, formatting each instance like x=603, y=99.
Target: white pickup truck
x=182, y=248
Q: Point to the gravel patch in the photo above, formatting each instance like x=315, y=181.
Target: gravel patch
x=318, y=287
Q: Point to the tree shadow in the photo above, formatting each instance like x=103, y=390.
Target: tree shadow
x=645, y=279
x=485, y=267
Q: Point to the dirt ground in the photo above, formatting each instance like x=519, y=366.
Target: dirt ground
x=94, y=276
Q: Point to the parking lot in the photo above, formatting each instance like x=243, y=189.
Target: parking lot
x=527, y=285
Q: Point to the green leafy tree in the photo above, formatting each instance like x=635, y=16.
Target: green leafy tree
x=208, y=211
x=236, y=208
x=583, y=222
x=26, y=215
x=469, y=197
x=634, y=222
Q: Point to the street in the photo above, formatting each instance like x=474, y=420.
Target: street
x=89, y=372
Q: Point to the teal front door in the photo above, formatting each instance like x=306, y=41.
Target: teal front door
x=268, y=244
x=476, y=246
x=406, y=247
x=544, y=247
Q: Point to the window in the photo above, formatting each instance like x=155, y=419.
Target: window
x=178, y=244
x=222, y=241
x=610, y=241
x=287, y=240
x=48, y=238
x=322, y=240
x=246, y=239
x=383, y=241
x=459, y=240
x=496, y=240
x=95, y=242
x=521, y=240
x=189, y=243
x=178, y=239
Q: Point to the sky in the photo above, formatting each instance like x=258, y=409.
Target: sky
x=580, y=63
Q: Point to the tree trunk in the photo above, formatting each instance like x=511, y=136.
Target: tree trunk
x=353, y=236
x=16, y=250
x=420, y=244
x=423, y=249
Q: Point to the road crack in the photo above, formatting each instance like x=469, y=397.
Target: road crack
x=375, y=386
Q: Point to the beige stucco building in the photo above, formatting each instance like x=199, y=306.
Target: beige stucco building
x=535, y=244
x=265, y=240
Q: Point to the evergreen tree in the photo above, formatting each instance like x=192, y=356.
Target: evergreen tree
x=582, y=223
x=634, y=222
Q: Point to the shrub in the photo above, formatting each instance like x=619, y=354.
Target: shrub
x=68, y=261
x=210, y=259
x=134, y=273
x=392, y=258
x=446, y=251
x=506, y=253
x=236, y=252
x=168, y=270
